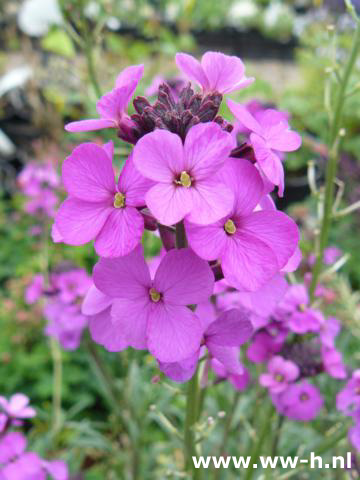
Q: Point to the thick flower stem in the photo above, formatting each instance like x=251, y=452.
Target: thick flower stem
x=331, y=168
x=192, y=413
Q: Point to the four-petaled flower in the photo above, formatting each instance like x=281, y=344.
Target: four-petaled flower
x=97, y=207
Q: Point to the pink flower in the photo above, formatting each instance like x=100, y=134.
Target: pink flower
x=333, y=362
x=34, y=291
x=300, y=401
x=271, y=134
x=239, y=381
x=153, y=314
x=72, y=284
x=112, y=106
x=252, y=246
x=222, y=337
x=17, y=407
x=294, y=310
x=97, y=207
x=280, y=374
x=216, y=72
x=348, y=399
x=12, y=444
x=186, y=176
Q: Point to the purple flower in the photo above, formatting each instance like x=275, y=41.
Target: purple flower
x=12, y=444
x=36, y=177
x=329, y=330
x=267, y=342
x=280, y=374
x=34, y=291
x=216, y=72
x=333, y=362
x=239, y=381
x=97, y=207
x=112, y=106
x=252, y=246
x=17, y=407
x=65, y=323
x=300, y=401
x=295, y=312
x=222, y=337
x=186, y=176
x=152, y=313
x=331, y=254
x=72, y=284
x=271, y=134
x=348, y=399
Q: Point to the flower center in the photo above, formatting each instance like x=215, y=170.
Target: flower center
x=154, y=295
x=185, y=179
x=301, y=307
x=304, y=397
x=119, y=200
x=230, y=227
x=279, y=378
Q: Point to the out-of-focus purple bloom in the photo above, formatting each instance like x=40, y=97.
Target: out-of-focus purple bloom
x=331, y=254
x=152, y=313
x=186, y=176
x=112, y=106
x=97, y=207
x=271, y=134
x=12, y=444
x=329, y=330
x=253, y=246
x=72, y=285
x=333, y=362
x=36, y=177
x=267, y=342
x=65, y=323
x=34, y=291
x=215, y=73
x=300, y=401
x=238, y=381
x=17, y=407
x=294, y=311
x=280, y=373
x=348, y=399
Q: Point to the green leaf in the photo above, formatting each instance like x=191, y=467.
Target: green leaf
x=58, y=41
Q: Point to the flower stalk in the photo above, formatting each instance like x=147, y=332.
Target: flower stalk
x=332, y=164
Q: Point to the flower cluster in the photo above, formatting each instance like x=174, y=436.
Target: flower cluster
x=62, y=308
x=16, y=463
x=184, y=178
x=38, y=182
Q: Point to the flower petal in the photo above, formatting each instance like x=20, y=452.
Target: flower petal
x=112, y=105
x=78, y=222
x=211, y=201
x=89, y=125
x=183, y=278
x=121, y=233
x=95, y=302
x=174, y=332
x=131, y=317
x=207, y=241
x=244, y=116
x=206, y=149
x=285, y=141
x=133, y=184
x=248, y=263
x=88, y=174
x=231, y=329
x=130, y=75
x=180, y=371
x=104, y=332
x=276, y=229
x=159, y=156
x=123, y=277
x=169, y=204
x=228, y=357
x=192, y=68
x=224, y=72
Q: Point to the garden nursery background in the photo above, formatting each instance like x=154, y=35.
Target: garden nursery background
x=235, y=129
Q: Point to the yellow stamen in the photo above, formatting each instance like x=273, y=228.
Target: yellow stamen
x=279, y=377
x=301, y=307
x=230, y=227
x=119, y=200
x=304, y=397
x=154, y=295
x=185, y=179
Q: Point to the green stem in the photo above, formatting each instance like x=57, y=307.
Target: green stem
x=57, y=385
x=331, y=168
x=227, y=428
x=264, y=430
x=192, y=403
x=89, y=49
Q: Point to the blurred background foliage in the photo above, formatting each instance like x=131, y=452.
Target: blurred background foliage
x=44, y=82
